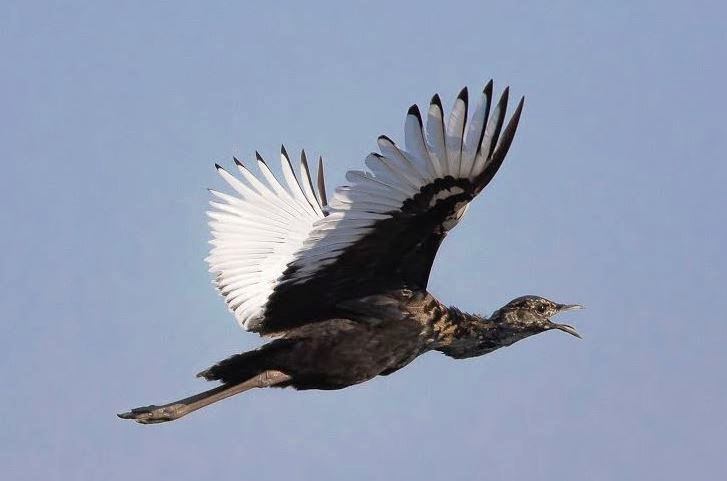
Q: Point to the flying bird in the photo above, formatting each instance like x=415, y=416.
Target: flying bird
x=341, y=286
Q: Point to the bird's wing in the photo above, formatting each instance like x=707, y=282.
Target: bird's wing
x=384, y=228
x=256, y=232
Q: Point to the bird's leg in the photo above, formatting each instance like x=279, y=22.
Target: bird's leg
x=175, y=410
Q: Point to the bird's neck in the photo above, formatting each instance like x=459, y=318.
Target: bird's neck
x=461, y=335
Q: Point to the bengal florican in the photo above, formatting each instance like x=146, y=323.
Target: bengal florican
x=342, y=286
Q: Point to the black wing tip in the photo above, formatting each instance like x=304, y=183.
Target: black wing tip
x=514, y=121
x=500, y=120
x=463, y=95
x=385, y=138
x=518, y=110
x=505, y=95
x=303, y=157
x=237, y=161
x=414, y=110
x=322, y=183
x=488, y=88
x=219, y=167
x=284, y=152
x=437, y=102
x=259, y=157
x=503, y=144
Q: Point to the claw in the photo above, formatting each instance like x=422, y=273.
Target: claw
x=155, y=414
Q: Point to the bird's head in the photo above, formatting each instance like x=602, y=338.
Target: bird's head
x=532, y=314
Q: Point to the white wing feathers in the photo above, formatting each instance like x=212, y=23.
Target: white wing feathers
x=256, y=233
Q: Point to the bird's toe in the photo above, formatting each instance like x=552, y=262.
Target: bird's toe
x=154, y=414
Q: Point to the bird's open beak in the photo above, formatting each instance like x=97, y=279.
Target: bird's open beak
x=569, y=329
x=565, y=327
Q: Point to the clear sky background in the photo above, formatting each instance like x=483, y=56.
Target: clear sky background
x=613, y=195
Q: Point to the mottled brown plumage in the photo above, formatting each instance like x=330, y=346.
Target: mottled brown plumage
x=343, y=287
x=340, y=352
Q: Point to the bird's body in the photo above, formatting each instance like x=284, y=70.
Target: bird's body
x=343, y=287
x=387, y=333
x=380, y=335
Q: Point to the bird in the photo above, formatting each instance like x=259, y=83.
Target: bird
x=340, y=287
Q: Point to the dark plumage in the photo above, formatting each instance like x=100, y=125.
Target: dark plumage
x=343, y=288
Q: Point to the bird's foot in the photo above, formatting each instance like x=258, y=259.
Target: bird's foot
x=156, y=414
x=174, y=410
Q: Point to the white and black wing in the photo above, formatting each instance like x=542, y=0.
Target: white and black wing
x=384, y=228
x=257, y=231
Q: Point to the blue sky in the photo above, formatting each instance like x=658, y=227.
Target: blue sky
x=613, y=195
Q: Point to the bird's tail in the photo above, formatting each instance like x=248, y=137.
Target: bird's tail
x=246, y=365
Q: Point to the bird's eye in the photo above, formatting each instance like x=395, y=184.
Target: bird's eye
x=541, y=309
